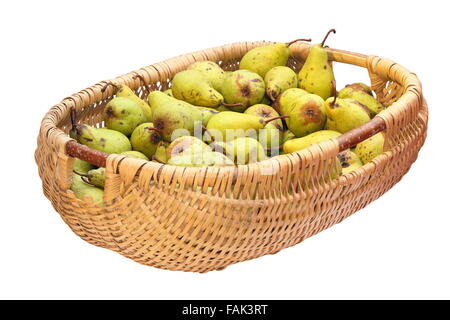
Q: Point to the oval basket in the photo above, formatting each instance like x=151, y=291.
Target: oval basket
x=203, y=219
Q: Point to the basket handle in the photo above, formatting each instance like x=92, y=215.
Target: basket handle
x=346, y=141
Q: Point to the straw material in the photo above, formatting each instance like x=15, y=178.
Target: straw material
x=203, y=219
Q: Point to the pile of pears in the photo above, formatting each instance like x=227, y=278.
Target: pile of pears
x=213, y=117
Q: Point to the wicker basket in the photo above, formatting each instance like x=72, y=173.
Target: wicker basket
x=202, y=219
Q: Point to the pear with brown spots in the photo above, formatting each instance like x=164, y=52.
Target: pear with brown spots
x=278, y=80
x=242, y=89
x=316, y=75
x=101, y=139
x=307, y=115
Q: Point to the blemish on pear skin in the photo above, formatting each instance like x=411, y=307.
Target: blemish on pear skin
x=155, y=138
x=110, y=113
x=310, y=113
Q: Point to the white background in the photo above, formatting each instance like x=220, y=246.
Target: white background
x=397, y=247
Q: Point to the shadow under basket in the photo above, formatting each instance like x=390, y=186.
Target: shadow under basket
x=203, y=219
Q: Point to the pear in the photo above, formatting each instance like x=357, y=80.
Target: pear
x=266, y=100
x=174, y=118
x=347, y=114
x=96, y=177
x=278, y=80
x=124, y=91
x=158, y=98
x=306, y=115
x=313, y=138
x=186, y=145
x=264, y=111
x=207, y=159
x=243, y=88
x=145, y=139
x=81, y=166
x=193, y=87
x=349, y=161
x=168, y=92
x=123, y=115
x=212, y=71
x=287, y=135
x=228, y=125
x=83, y=190
x=261, y=59
x=271, y=138
x=363, y=97
x=316, y=75
x=135, y=154
x=330, y=125
x=100, y=139
x=368, y=149
x=161, y=152
x=207, y=113
x=359, y=86
x=246, y=150
x=286, y=101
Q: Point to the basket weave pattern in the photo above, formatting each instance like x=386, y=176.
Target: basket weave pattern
x=203, y=219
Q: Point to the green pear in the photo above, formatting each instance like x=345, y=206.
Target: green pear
x=83, y=190
x=135, y=154
x=359, y=86
x=212, y=71
x=316, y=75
x=82, y=166
x=124, y=91
x=206, y=159
x=158, y=98
x=370, y=148
x=278, y=80
x=307, y=115
x=186, y=145
x=347, y=114
x=287, y=135
x=349, y=161
x=161, y=152
x=266, y=100
x=242, y=89
x=168, y=92
x=174, y=118
x=287, y=100
x=313, y=138
x=101, y=139
x=123, y=115
x=193, y=87
x=207, y=113
x=246, y=150
x=228, y=125
x=96, y=177
x=264, y=111
x=363, y=97
x=330, y=125
x=145, y=139
x=271, y=138
x=261, y=59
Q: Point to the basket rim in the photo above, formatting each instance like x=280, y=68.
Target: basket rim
x=404, y=77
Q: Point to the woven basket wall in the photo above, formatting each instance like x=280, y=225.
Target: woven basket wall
x=202, y=219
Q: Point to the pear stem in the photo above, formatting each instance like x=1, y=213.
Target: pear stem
x=73, y=117
x=240, y=104
x=275, y=118
x=335, y=94
x=138, y=76
x=109, y=84
x=80, y=174
x=326, y=37
x=155, y=129
x=297, y=40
